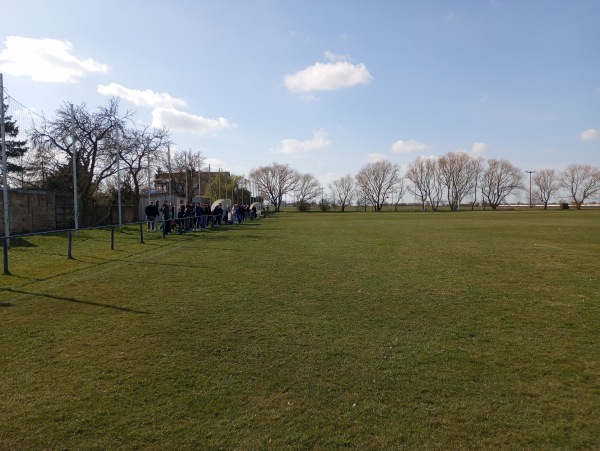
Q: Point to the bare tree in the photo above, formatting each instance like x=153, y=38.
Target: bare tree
x=307, y=190
x=581, y=182
x=275, y=181
x=41, y=163
x=398, y=193
x=547, y=185
x=478, y=164
x=361, y=199
x=185, y=165
x=436, y=190
x=138, y=147
x=421, y=176
x=458, y=174
x=377, y=181
x=96, y=157
x=343, y=190
x=500, y=179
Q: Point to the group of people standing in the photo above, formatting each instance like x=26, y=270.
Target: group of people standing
x=194, y=216
x=243, y=212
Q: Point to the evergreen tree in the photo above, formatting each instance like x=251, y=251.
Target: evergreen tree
x=15, y=149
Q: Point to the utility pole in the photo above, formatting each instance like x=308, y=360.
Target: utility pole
x=530, y=200
x=199, y=182
x=4, y=174
x=187, y=191
x=75, y=195
x=119, y=180
x=149, y=171
x=169, y=167
x=209, y=189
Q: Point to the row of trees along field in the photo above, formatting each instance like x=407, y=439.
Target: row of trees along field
x=108, y=139
x=455, y=178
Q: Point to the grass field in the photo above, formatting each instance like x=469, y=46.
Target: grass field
x=308, y=331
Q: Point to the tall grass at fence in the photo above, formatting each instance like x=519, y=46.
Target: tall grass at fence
x=299, y=331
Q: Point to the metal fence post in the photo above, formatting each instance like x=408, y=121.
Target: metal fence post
x=70, y=245
x=112, y=238
x=141, y=233
x=5, y=251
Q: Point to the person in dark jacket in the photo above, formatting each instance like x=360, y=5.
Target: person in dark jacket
x=151, y=214
x=204, y=214
x=218, y=214
x=166, y=212
x=181, y=217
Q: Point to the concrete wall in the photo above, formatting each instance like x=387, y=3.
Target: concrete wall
x=41, y=211
x=30, y=211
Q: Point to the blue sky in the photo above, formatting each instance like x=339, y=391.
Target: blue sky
x=324, y=86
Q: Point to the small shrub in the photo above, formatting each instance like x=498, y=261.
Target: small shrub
x=325, y=205
x=303, y=206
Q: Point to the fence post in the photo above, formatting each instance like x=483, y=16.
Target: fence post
x=141, y=233
x=70, y=245
x=5, y=251
x=112, y=238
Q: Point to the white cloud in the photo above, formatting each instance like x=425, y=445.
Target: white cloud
x=163, y=112
x=408, y=146
x=319, y=140
x=215, y=164
x=430, y=157
x=375, y=157
x=180, y=121
x=336, y=74
x=480, y=148
x=476, y=148
x=47, y=60
x=591, y=134
x=146, y=98
x=329, y=177
x=334, y=57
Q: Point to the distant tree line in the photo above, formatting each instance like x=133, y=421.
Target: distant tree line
x=453, y=179
x=107, y=139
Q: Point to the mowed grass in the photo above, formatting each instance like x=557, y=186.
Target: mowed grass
x=309, y=331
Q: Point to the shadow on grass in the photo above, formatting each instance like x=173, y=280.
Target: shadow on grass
x=78, y=301
x=166, y=265
x=21, y=242
x=213, y=233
